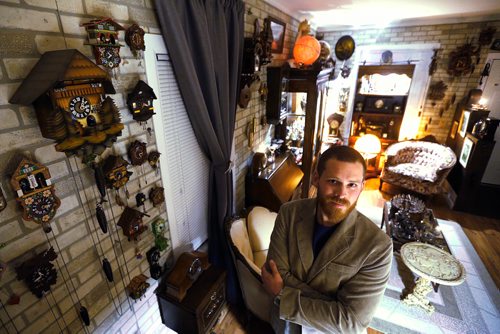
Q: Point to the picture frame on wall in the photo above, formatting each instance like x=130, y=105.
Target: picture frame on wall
x=463, y=123
x=278, y=29
x=466, y=151
x=454, y=129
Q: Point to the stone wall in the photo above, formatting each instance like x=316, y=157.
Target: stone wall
x=28, y=29
x=435, y=118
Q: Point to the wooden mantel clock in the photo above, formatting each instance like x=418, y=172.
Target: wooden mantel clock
x=35, y=193
x=67, y=90
x=103, y=36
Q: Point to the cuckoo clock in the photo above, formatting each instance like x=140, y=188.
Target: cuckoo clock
x=137, y=153
x=39, y=273
x=138, y=286
x=67, y=90
x=131, y=223
x=115, y=171
x=103, y=36
x=140, y=102
x=134, y=37
x=35, y=192
x=157, y=196
x=154, y=159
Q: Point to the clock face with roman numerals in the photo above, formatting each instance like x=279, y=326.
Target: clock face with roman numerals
x=79, y=107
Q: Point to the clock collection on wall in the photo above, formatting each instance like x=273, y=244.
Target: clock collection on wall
x=69, y=94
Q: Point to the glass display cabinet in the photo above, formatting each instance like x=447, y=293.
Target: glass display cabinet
x=296, y=105
x=380, y=101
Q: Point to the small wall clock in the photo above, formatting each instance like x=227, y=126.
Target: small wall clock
x=39, y=273
x=115, y=171
x=131, y=223
x=103, y=36
x=134, y=37
x=137, y=153
x=36, y=195
x=157, y=196
x=140, y=102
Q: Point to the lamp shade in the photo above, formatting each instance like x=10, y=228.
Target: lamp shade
x=306, y=50
x=368, y=145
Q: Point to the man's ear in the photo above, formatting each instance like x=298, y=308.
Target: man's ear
x=315, y=179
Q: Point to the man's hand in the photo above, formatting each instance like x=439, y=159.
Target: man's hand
x=271, y=278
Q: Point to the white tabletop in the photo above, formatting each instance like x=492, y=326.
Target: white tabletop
x=432, y=263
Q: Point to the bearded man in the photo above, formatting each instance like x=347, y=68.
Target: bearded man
x=327, y=265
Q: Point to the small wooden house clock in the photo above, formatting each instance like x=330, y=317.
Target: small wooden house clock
x=103, y=36
x=140, y=102
x=115, y=171
x=131, y=223
x=67, y=90
x=35, y=192
x=39, y=273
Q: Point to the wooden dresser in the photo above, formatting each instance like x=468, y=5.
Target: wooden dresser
x=200, y=308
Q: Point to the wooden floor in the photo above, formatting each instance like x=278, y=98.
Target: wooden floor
x=484, y=234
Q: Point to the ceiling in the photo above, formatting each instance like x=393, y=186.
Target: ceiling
x=341, y=14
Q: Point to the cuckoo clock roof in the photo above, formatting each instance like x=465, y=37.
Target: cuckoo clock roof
x=130, y=215
x=143, y=89
x=56, y=67
x=112, y=162
x=93, y=23
x=24, y=163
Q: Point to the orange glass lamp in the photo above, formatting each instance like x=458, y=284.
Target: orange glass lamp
x=369, y=146
x=306, y=50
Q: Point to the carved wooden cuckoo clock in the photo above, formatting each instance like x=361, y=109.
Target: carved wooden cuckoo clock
x=67, y=90
x=140, y=102
x=35, y=192
x=115, y=171
x=39, y=273
x=137, y=153
x=134, y=37
x=131, y=223
x=103, y=36
x=157, y=195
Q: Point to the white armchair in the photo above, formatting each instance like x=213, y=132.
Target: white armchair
x=249, y=240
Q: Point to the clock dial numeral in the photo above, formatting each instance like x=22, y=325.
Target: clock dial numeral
x=79, y=107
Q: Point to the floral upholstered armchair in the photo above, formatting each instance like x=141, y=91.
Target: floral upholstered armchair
x=418, y=166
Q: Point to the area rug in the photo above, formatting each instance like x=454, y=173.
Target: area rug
x=472, y=307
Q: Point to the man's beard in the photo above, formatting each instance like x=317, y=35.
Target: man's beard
x=332, y=214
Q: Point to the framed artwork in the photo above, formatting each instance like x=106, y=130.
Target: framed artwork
x=278, y=31
x=466, y=151
x=463, y=123
x=454, y=129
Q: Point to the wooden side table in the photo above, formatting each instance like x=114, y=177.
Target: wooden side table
x=200, y=308
x=432, y=265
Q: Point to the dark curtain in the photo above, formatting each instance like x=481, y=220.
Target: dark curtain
x=205, y=41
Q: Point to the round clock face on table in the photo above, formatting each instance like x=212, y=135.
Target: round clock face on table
x=79, y=107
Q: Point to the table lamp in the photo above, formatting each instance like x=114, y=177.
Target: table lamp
x=369, y=146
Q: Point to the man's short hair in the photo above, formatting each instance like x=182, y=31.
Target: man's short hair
x=340, y=153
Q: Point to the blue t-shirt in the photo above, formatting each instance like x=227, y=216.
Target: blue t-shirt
x=320, y=236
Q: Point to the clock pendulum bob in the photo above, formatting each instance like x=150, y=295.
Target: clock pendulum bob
x=106, y=267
